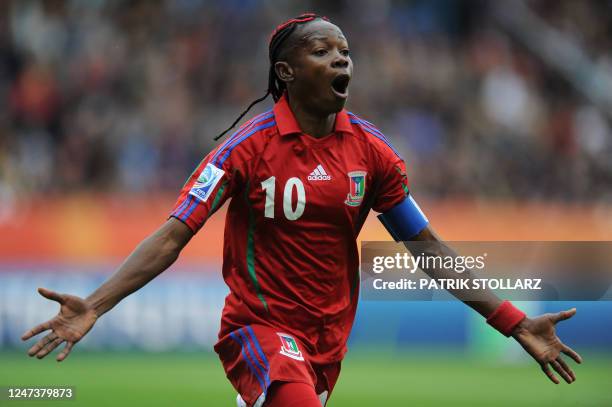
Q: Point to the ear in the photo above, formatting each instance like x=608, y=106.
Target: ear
x=284, y=72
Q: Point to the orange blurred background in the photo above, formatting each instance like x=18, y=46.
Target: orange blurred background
x=91, y=228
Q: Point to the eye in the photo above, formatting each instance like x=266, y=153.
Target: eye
x=345, y=52
x=320, y=52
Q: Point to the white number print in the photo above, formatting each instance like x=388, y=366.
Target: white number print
x=301, y=199
x=269, y=186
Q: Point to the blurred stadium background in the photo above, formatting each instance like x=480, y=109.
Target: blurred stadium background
x=502, y=109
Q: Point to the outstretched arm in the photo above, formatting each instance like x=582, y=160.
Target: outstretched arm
x=77, y=316
x=150, y=258
x=537, y=336
x=488, y=302
x=405, y=221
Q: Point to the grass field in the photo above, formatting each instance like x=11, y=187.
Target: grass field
x=197, y=379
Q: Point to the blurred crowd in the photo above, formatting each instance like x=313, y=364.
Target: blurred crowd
x=127, y=96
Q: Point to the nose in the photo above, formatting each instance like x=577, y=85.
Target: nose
x=340, y=61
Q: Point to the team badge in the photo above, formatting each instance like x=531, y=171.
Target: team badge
x=206, y=182
x=289, y=347
x=357, y=188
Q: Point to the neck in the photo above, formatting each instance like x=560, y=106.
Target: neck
x=312, y=123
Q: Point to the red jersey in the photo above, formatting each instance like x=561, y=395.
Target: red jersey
x=290, y=254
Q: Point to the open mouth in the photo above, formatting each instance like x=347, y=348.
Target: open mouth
x=340, y=85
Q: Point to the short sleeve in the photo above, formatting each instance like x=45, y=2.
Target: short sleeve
x=206, y=189
x=392, y=181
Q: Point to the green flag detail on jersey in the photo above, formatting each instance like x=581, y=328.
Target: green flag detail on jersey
x=289, y=347
x=357, y=188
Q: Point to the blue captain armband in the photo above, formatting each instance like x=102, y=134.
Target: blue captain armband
x=404, y=220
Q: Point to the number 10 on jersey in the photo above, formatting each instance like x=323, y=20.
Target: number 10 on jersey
x=269, y=186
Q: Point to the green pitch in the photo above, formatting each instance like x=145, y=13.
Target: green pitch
x=368, y=379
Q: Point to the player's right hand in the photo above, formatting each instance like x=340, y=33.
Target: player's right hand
x=75, y=318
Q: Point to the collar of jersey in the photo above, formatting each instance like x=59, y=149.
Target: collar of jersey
x=286, y=123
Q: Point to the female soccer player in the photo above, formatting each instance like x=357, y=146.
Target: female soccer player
x=303, y=178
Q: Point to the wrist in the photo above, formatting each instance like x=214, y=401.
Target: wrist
x=521, y=328
x=96, y=306
x=506, y=318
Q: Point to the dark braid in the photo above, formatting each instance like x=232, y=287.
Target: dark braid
x=276, y=87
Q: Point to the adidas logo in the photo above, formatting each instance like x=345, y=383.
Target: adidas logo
x=319, y=174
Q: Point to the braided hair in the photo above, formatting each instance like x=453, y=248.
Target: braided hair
x=276, y=87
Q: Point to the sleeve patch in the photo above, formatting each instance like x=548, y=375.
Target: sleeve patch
x=206, y=182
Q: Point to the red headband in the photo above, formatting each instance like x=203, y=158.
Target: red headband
x=304, y=18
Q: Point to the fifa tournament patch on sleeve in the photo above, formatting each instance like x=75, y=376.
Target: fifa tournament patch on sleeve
x=206, y=182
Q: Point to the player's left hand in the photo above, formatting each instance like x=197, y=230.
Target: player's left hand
x=538, y=337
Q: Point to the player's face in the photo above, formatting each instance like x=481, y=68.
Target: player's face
x=321, y=67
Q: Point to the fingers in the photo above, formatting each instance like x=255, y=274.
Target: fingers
x=41, y=343
x=65, y=352
x=51, y=341
x=36, y=330
x=563, y=315
x=49, y=347
x=566, y=368
x=549, y=373
x=51, y=295
x=559, y=369
x=571, y=353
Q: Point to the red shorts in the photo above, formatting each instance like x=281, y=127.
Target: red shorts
x=255, y=356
